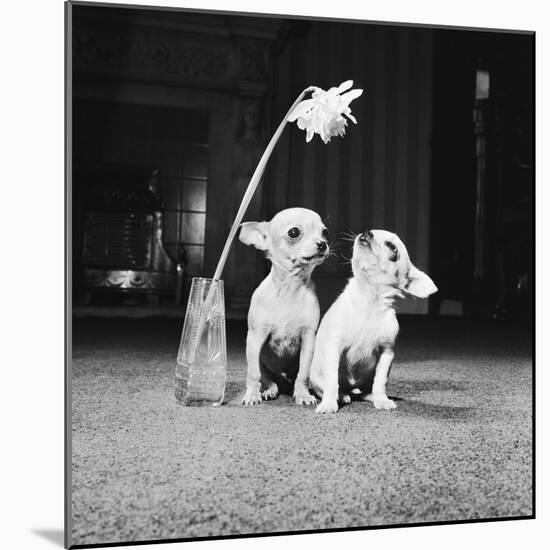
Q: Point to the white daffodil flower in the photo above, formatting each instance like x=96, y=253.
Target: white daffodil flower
x=326, y=113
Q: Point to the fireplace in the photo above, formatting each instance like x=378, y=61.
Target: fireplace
x=122, y=240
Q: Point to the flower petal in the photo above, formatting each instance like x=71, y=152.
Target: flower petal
x=345, y=86
x=300, y=108
x=350, y=96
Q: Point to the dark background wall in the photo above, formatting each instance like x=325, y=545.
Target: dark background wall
x=500, y=283
x=163, y=88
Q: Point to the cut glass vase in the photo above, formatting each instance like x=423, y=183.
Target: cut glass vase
x=201, y=368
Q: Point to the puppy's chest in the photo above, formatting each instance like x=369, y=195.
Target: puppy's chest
x=370, y=335
x=285, y=329
x=284, y=317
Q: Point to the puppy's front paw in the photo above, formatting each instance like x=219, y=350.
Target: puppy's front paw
x=383, y=402
x=252, y=398
x=271, y=393
x=380, y=401
x=327, y=407
x=303, y=397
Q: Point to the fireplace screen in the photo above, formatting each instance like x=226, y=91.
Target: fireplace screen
x=117, y=239
x=123, y=247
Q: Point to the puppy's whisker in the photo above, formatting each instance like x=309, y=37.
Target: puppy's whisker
x=346, y=240
x=332, y=246
x=340, y=244
x=346, y=260
x=348, y=235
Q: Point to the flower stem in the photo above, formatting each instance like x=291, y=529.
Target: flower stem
x=252, y=186
x=205, y=309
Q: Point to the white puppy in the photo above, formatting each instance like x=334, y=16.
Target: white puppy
x=284, y=310
x=354, y=347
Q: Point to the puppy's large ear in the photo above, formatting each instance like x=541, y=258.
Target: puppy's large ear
x=255, y=234
x=419, y=284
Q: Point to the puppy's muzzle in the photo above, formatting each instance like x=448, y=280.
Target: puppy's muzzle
x=366, y=238
x=322, y=251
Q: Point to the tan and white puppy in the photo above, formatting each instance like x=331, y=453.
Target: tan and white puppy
x=284, y=310
x=355, y=341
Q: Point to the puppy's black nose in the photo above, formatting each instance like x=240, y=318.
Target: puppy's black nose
x=321, y=245
x=366, y=236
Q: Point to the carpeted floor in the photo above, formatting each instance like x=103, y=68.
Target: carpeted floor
x=143, y=468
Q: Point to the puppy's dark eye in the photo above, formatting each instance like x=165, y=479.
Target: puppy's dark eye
x=294, y=232
x=394, y=255
x=325, y=233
